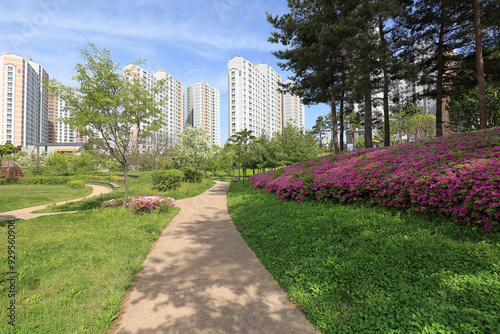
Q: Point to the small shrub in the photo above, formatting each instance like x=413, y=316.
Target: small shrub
x=112, y=203
x=147, y=204
x=117, y=179
x=189, y=174
x=77, y=184
x=164, y=180
x=93, y=178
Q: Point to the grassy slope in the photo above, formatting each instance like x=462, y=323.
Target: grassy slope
x=14, y=197
x=361, y=269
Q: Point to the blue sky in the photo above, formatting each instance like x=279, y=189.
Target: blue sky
x=191, y=40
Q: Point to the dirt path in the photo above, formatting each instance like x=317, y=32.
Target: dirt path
x=25, y=213
x=201, y=277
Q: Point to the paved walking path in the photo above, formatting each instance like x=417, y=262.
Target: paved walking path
x=25, y=213
x=201, y=278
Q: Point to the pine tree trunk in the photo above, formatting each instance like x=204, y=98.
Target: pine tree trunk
x=480, y=65
x=368, y=119
x=334, y=121
x=439, y=79
x=341, y=120
x=387, y=128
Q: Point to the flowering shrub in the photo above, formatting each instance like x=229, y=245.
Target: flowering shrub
x=146, y=204
x=112, y=203
x=458, y=175
x=117, y=179
x=143, y=204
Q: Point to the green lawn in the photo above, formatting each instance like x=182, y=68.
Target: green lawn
x=73, y=270
x=141, y=186
x=364, y=269
x=14, y=197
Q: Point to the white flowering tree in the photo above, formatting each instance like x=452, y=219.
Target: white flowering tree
x=194, y=144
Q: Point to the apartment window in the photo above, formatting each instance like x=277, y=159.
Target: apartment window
x=9, y=84
x=233, y=124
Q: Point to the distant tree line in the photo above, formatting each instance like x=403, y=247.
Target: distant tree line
x=346, y=52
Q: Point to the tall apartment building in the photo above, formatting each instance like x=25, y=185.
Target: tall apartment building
x=63, y=132
x=202, y=108
x=172, y=94
x=293, y=109
x=254, y=101
x=24, y=112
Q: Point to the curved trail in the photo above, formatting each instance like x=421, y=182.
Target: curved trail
x=25, y=213
x=201, y=277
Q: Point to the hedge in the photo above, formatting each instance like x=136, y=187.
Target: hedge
x=50, y=180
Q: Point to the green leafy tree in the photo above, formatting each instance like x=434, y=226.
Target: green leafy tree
x=422, y=126
x=318, y=129
x=6, y=149
x=85, y=162
x=227, y=158
x=259, y=152
x=241, y=141
x=114, y=110
x=58, y=162
x=33, y=164
x=291, y=146
x=194, y=142
x=463, y=110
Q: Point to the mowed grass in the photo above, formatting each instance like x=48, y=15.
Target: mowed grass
x=14, y=197
x=141, y=186
x=365, y=269
x=73, y=270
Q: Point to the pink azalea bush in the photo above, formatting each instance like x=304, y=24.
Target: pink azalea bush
x=147, y=204
x=112, y=203
x=458, y=175
x=143, y=204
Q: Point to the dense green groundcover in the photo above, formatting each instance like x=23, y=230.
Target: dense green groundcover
x=359, y=268
x=73, y=270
